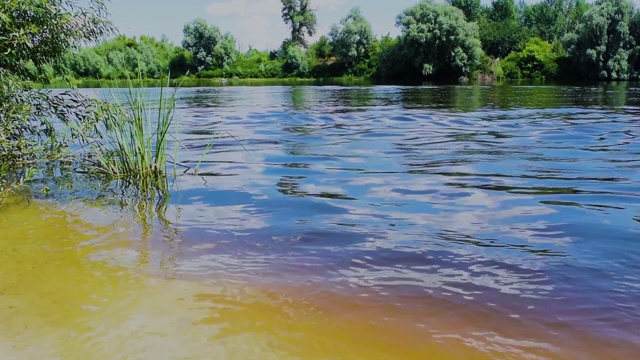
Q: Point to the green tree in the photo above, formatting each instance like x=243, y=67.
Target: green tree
x=352, y=41
x=296, y=62
x=38, y=33
x=210, y=48
x=438, y=40
x=471, y=8
x=391, y=61
x=602, y=42
x=500, y=29
x=552, y=19
x=634, y=57
x=302, y=19
x=321, y=49
x=42, y=31
x=503, y=11
x=181, y=62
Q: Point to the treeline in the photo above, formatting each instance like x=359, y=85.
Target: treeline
x=460, y=39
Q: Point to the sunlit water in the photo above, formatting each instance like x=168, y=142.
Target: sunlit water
x=351, y=223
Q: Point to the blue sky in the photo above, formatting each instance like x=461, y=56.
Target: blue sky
x=254, y=23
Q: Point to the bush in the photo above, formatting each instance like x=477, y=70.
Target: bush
x=537, y=60
x=489, y=69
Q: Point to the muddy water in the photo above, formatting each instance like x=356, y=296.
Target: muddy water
x=75, y=285
x=64, y=295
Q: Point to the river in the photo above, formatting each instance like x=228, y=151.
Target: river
x=362, y=222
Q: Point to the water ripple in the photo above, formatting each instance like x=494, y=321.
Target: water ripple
x=512, y=196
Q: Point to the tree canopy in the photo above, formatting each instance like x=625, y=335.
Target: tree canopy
x=602, y=42
x=500, y=29
x=301, y=18
x=42, y=31
x=472, y=9
x=438, y=40
x=352, y=40
x=551, y=38
x=210, y=48
x=35, y=34
x=551, y=20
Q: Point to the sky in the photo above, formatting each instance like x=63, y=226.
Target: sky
x=255, y=23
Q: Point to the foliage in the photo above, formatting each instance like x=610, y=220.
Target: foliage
x=471, y=8
x=500, y=29
x=129, y=141
x=352, y=41
x=634, y=56
x=391, y=60
x=601, y=44
x=32, y=128
x=39, y=125
x=181, y=62
x=322, y=61
x=296, y=63
x=36, y=35
x=210, y=48
x=536, y=61
x=490, y=69
x=552, y=19
x=12, y=182
x=251, y=64
x=42, y=31
x=124, y=57
x=302, y=19
x=255, y=64
x=321, y=49
x=438, y=40
x=503, y=11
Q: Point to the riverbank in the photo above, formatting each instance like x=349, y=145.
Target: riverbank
x=187, y=82
x=203, y=82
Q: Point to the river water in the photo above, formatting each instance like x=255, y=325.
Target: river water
x=382, y=222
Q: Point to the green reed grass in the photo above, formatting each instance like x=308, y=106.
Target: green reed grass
x=13, y=183
x=130, y=137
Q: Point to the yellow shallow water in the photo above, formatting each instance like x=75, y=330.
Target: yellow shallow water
x=67, y=293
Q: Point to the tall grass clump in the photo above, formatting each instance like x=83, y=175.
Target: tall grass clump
x=130, y=136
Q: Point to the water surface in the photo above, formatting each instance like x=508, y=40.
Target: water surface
x=453, y=222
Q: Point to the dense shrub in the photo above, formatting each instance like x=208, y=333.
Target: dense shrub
x=536, y=61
